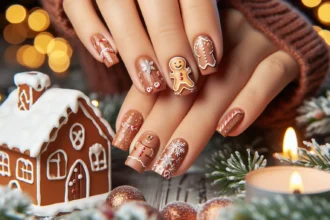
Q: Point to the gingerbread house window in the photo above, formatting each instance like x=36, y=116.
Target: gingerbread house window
x=24, y=170
x=77, y=136
x=4, y=164
x=56, y=165
x=97, y=157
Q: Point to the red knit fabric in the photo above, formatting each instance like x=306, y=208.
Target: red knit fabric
x=284, y=26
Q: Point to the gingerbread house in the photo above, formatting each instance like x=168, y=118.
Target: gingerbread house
x=54, y=145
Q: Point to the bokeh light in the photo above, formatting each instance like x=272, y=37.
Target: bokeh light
x=311, y=3
x=325, y=34
x=39, y=20
x=317, y=28
x=16, y=14
x=42, y=40
x=59, y=44
x=10, y=54
x=32, y=58
x=14, y=34
x=19, y=54
x=95, y=103
x=324, y=12
x=59, y=61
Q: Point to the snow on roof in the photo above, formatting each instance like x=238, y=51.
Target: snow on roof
x=34, y=79
x=29, y=130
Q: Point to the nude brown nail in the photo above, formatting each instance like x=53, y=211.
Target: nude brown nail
x=204, y=52
x=129, y=127
x=106, y=52
x=230, y=122
x=149, y=75
x=171, y=158
x=143, y=152
x=181, y=76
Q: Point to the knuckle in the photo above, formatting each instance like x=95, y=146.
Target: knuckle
x=274, y=65
x=167, y=31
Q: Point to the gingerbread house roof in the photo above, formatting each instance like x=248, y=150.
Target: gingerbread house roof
x=28, y=131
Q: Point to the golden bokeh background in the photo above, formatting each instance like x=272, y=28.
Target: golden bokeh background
x=46, y=49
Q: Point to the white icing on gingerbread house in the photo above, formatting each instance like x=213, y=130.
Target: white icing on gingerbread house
x=45, y=147
x=31, y=85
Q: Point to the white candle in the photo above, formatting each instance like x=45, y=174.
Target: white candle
x=269, y=181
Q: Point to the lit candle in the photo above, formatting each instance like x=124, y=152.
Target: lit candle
x=296, y=184
x=290, y=145
x=287, y=180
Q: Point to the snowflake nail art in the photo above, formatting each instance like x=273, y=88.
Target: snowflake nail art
x=171, y=158
x=149, y=75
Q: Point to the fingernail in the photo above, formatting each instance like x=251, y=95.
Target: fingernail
x=106, y=52
x=230, y=122
x=171, y=158
x=130, y=126
x=181, y=76
x=204, y=52
x=143, y=152
x=149, y=75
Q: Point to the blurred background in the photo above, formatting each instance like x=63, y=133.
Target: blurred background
x=28, y=42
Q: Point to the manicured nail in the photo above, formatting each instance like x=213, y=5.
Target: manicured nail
x=204, y=52
x=143, y=152
x=182, y=77
x=230, y=122
x=149, y=75
x=171, y=158
x=130, y=126
x=106, y=52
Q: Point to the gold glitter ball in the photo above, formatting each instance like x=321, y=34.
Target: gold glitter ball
x=211, y=209
x=179, y=211
x=122, y=195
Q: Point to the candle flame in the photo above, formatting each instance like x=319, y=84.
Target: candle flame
x=296, y=183
x=290, y=144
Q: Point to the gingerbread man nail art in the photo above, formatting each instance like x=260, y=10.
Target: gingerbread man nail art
x=204, y=51
x=143, y=152
x=181, y=76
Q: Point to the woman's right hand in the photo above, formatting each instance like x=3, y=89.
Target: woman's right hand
x=181, y=40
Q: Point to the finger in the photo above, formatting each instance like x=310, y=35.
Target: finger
x=166, y=115
x=134, y=110
x=236, y=69
x=90, y=30
x=171, y=45
x=133, y=43
x=202, y=26
x=268, y=80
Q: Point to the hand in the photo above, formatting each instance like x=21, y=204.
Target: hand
x=252, y=72
x=185, y=37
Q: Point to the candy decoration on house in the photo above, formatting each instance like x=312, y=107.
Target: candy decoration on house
x=123, y=194
x=211, y=209
x=179, y=211
x=54, y=146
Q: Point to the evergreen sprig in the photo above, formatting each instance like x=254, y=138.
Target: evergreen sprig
x=277, y=208
x=229, y=168
x=314, y=115
x=13, y=204
x=318, y=157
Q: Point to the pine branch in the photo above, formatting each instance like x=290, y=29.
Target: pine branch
x=13, y=204
x=89, y=214
x=279, y=207
x=318, y=158
x=315, y=115
x=229, y=168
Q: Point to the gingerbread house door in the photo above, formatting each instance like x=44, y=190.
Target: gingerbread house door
x=77, y=183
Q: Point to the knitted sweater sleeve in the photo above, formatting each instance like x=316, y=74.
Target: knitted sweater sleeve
x=282, y=24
